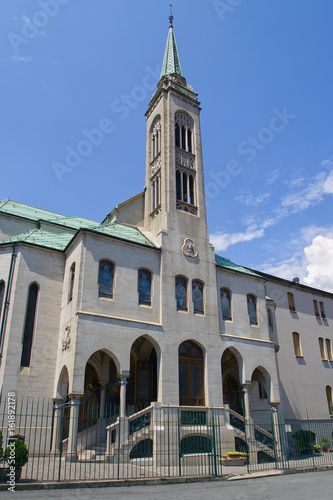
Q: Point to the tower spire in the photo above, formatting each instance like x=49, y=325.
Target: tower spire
x=171, y=62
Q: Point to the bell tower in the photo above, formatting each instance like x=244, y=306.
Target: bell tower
x=174, y=198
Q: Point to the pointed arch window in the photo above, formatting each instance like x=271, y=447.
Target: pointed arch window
x=183, y=132
x=197, y=296
x=71, y=282
x=144, y=286
x=181, y=293
x=191, y=374
x=226, y=303
x=156, y=138
x=252, y=309
x=106, y=279
x=2, y=295
x=29, y=325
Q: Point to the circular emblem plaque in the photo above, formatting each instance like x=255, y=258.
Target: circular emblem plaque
x=189, y=249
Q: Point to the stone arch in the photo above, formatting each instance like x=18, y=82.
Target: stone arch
x=144, y=373
x=259, y=394
x=231, y=365
x=63, y=383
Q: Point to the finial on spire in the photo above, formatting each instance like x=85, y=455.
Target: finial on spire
x=171, y=16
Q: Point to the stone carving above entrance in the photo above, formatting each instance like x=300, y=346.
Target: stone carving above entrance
x=189, y=249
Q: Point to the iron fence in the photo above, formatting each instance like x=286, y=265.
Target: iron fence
x=158, y=441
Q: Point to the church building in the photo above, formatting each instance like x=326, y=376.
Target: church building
x=137, y=312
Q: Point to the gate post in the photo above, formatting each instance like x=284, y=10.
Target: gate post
x=56, y=431
x=249, y=426
x=276, y=432
x=71, y=455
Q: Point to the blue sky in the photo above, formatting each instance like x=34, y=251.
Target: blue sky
x=263, y=71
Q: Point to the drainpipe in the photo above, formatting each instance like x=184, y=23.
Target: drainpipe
x=6, y=303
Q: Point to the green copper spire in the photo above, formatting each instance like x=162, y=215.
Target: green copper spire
x=171, y=61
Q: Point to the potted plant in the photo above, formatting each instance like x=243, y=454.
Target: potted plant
x=316, y=448
x=234, y=458
x=15, y=456
x=324, y=443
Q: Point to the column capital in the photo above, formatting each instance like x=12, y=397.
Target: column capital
x=274, y=405
x=123, y=377
x=58, y=401
x=75, y=398
x=246, y=387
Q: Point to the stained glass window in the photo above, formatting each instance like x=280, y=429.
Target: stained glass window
x=2, y=294
x=197, y=295
x=252, y=309
x=181, y=292
x=144, y=286
x=105, y=281
x=226, y=303
x=29, y=325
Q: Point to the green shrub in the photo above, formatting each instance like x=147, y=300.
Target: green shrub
x=20, y=457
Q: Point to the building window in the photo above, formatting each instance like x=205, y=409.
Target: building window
x=144, y=286
x=2, y=295
x=183, y=132
x=29, y=325
x=185, y=187
x=156, y=138
x=291, y=302
x=297, y=345
x=252, y=309
x=316, y=310
x=329, y=399
x=156, y=191
x=226, y=303
x=71, y=282
x=322, y=310
x=322, y=349
x=329, y=350
x=181, y=293
x=191, y=375
x=197, y=295
x=106, y=279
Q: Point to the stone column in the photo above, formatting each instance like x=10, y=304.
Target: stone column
x=57, y=421
x=101, y=432
x=249, y=425
x=73, y=427
x=278, y=448
x=123, y=419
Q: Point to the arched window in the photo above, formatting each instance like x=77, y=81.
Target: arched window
x=2, y=296
x=178, y=185
x=291, y=302
x=105, y=279
x=226, y=303
x=197, y=296
x=252, y=309
x=329, y=350
x=29, y=325
x=71, y=282
x=181, y=293
x=191, y=189
x=144, y=286
x=329, y=399
x=191, y=374
x=322, y=349
x=297, y=345
x=156, y=138
x=183, y=132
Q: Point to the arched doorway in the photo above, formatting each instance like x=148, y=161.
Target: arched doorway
x=232, y=392
x=191, y=374
x=101, y=389
x=259, y=395
x=142, y=383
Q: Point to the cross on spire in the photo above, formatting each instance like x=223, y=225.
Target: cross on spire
x=171, y=16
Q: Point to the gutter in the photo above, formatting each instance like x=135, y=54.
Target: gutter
x=7, y=296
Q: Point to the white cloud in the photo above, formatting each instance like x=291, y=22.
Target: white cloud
x=319, y=256
x=16, y=58
x=273, y=176
x=222, y=241
x=310, y=195
x=251, y=200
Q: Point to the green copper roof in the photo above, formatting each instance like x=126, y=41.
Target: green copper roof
x=230, y=266
x=52, y=239
x=171, y=62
